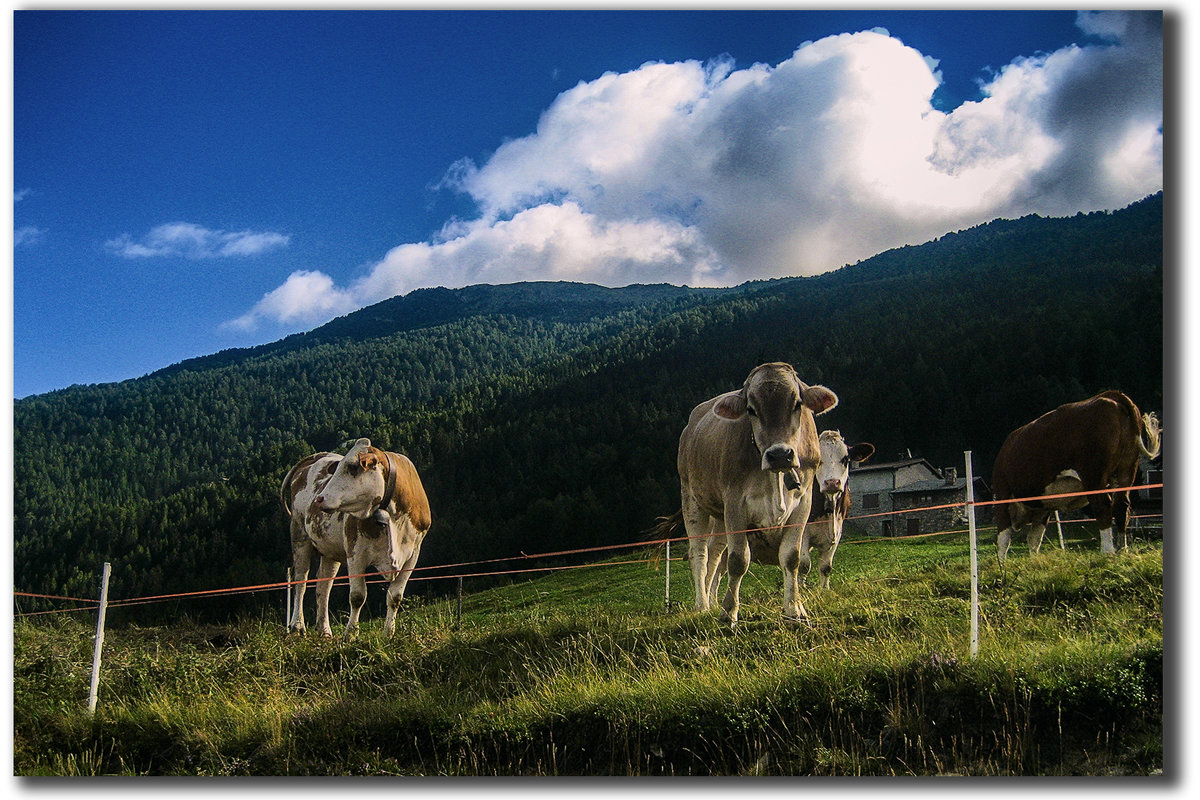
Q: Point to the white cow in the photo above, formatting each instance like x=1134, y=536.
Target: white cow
x=366, y=509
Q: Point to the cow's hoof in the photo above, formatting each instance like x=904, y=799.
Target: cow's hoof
x=797, y=623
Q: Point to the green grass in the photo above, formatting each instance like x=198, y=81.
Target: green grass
x=585, y=672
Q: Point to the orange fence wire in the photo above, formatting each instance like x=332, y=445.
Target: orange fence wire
x=92, y=604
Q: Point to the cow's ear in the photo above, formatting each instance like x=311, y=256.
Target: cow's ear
x=861, y=451
x=818, y=399
x=731, y=406
x=367, y=459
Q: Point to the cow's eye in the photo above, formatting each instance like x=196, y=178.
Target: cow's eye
x=751, y=411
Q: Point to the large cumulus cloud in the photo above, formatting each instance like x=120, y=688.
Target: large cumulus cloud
x=703, y=174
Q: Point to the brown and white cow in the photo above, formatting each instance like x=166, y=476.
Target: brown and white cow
x=826, y=520
x=746, y=461
x=1078, y=447
x=826, y=517
x=366, y=509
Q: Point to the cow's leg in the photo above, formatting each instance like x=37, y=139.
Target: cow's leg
x=358, y=567
x=790, y=559
x=396, y=589
x=1112, y=512
x=804, y=550
x=1004, y=527
x=718, y=557
x=302, y=554
x=1003, y=540
x=717, y=569
x=1121, y=513
x=697, y=525
x=325, y=575
x=825, y=562
x=1034, y=531
x=825, y=558
x=738, y=555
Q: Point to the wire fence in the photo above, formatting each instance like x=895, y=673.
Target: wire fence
x=385, y=576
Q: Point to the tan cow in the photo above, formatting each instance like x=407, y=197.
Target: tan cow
x=826, y=518
x=746, y=461
x=1078, y=447
x=366, y=509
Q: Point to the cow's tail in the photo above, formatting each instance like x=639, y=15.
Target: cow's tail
x=664, y=527
x=1150, y=438
x=285, y=492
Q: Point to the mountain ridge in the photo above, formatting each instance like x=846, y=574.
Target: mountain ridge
x=534, y=426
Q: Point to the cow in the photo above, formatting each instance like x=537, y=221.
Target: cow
x=826, y=517
x=366, y=509
x=825, y=521
x=746, y=461
x=1078, y=447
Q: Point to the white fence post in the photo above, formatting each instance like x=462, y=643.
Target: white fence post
x=974, y=556
x=668, y=575
x=287, y=595
x=1062, y=545
x=95, y=688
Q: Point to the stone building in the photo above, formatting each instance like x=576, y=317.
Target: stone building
x=879, y=492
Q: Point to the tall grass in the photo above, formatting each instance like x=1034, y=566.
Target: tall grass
x=586, y=673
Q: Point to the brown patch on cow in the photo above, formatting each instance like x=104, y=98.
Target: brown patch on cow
x=409, y=494
x=350, y=530
x=296, y=479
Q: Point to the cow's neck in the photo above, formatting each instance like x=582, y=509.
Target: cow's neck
x=389, y=489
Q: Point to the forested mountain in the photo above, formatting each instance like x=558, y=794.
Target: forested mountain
x=544, y=416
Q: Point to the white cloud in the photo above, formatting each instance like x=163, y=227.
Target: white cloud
x=27, y=235
x=304, y=297
x=188, y=240
x=703, y=174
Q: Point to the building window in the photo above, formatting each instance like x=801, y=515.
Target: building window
x=871, y=501
x=914, y=526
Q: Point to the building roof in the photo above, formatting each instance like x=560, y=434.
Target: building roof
x=939, y=485
x=895, y=465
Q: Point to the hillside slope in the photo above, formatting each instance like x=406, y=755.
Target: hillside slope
x=548, y=414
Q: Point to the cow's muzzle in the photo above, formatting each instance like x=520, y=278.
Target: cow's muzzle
x=779, y=457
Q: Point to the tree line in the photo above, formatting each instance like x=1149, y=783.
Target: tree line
x=546, y=416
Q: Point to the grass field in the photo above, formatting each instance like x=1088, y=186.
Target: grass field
x=585, y=672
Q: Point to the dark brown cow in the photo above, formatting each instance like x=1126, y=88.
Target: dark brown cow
x=1078, y=447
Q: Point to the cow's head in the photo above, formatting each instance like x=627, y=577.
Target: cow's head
x=836, y=458
x=357, y=485
x=780, y=408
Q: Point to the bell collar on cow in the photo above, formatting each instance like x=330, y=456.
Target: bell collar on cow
x=791, y=480
x=389, y=488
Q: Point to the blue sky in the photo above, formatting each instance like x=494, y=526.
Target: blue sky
x=189, y=182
